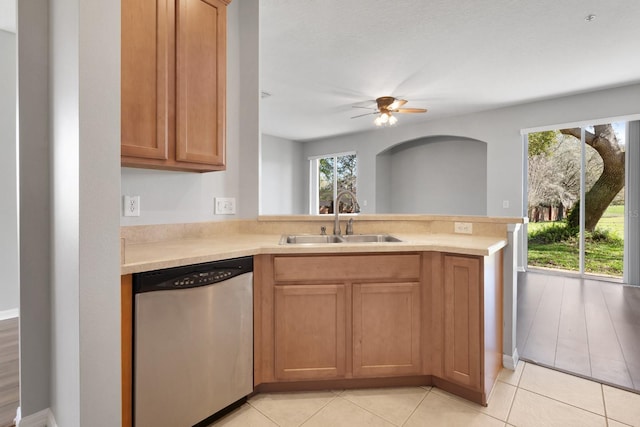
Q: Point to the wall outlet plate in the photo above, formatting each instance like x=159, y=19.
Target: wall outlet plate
x=131, y=206
x=463, y=227
x=225, y=205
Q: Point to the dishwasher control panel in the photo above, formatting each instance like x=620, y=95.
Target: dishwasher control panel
x=192, y=276
x=199, y=279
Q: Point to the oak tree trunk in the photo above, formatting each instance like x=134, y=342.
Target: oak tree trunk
x=609, y=184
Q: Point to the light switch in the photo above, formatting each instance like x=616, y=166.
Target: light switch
x=225, y=205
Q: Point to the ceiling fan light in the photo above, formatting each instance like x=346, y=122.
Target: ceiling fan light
x=378, y=121
x=384, y=118
x=392, y=120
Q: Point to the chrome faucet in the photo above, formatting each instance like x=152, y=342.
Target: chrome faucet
x=336, y=209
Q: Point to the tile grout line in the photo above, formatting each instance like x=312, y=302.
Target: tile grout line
x=263, y=414
x=513, y=402
x=615, y=331
x=335, y=396
x=555, y=352
x=533, y=320
x=586, y=324
x=373, y=413
x=561, y=402
x=417, y=406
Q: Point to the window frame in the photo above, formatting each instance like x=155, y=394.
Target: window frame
x=314, y=178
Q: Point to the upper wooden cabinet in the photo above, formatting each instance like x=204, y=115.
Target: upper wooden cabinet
x=173, y=84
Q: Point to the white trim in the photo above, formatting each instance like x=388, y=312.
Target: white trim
x=322, y=156
x=511, y=361
x=521, y=269
x=9, y=314
x=43, y=418
x=581, y=123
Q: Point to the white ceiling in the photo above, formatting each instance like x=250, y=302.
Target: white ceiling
x=319, y=58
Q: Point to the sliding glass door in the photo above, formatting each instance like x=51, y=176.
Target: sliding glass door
x=576, y=199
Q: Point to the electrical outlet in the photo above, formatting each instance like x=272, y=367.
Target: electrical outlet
x=225, y=205
x=131, y=205
x=505, y=204
x=463, y=227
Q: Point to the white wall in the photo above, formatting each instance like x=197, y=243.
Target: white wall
x=437, y=175
x=178, y=197
x=85, y=172
x=9, y=282
x=282, y=182
x=8, y=15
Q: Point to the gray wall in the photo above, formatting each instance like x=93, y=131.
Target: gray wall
x=69, y=223
x=436, y=175
x=9, y=283
x=283, y=169
x=35, y=254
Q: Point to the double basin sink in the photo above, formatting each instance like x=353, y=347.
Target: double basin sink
x=309, y=239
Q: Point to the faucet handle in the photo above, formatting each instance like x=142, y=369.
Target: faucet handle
x=323, y=230
x=350, y=226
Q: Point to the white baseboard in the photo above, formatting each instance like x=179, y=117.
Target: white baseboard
x=9, y=314
x=510, y=361
x=43, y=418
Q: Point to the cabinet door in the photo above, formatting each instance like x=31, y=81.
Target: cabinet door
x=386, y=329
x=147, y=79
x=310, y=331
x=462, y=356
x=201, y=81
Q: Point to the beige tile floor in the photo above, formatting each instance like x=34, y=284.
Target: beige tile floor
x=529, y=396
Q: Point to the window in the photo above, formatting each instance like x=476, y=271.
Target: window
x=330, y=175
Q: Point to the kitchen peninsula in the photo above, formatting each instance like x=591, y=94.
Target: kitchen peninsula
x=427, y=310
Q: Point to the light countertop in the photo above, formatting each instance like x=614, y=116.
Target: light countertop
x=147, y=256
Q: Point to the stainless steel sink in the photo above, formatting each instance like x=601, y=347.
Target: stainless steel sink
x=308, y=239
x=365, y=238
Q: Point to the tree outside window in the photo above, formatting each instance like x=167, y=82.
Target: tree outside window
x=336, y=173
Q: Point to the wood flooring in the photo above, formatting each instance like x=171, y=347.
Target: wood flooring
x=586, y=327
x=9, y=380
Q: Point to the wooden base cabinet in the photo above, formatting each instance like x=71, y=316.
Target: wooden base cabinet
x=310, y=332
x=359, y=320
x=337, y=317
x=467, y=307
x=386, y=329
x=173, y=72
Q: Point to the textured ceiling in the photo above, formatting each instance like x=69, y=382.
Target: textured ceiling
x=320, y=58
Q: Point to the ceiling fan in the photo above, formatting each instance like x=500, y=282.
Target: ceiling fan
x=386, y=106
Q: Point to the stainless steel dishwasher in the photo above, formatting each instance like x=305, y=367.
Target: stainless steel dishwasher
x=193, y=342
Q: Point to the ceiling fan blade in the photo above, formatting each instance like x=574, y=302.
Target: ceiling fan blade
x=365, y=114
x=397, y=104
x=410, y=110
x=366, y=108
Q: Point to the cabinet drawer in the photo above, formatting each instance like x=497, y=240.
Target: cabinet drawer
x=405, y=267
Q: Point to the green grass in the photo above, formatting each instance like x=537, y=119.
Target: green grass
x=603, y=250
